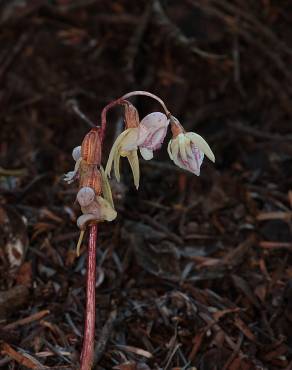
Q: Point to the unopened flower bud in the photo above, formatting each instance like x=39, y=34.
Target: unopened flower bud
x=91, y=147
x=131, y=116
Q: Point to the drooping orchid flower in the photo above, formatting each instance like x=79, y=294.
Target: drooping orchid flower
x=148, y=135
x=187, y=149
x=95, y=205
x=95, y=209
x=151, y=133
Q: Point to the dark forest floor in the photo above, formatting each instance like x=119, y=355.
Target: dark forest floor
x=195, y=273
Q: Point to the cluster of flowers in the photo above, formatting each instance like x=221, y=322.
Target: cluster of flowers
x=186, y=150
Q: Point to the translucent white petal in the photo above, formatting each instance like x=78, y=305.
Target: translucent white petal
x=114, y=149
x=69, y=177
x=196, y=160
x=188, y=147
x=174, y=147
x=143, y=133
x=157, y=138
x=83, y=220
x=169, y=150
x=147, y=154
x=177, y=160
x=201, y=144
x=182, y=146
x=76, y=154
x=134, y=163
x=155, y=119
x=152, y=130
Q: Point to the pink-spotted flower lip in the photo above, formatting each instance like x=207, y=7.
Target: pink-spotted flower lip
x=187, y=151
x=151, y=133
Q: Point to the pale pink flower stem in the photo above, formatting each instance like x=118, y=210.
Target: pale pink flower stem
x=89, y=330
x=87, y=353
x=146, y=93
x=122, y=101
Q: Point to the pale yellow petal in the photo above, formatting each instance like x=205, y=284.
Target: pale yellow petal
x=115, y=148
x=129, y=142
x=201, y=144
x=169, y=150
x=82, y=232
x=107, y=212
x=182, y=146
x=134, y=163
x=106, y=189
x=117, y=166
x=188, y=147
x=174, y=148
x=177, y=162
x=147, y=154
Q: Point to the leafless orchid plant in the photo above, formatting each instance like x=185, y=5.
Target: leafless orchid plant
x=186, y=150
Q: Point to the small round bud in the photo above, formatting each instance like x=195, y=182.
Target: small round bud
x=85, y=196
